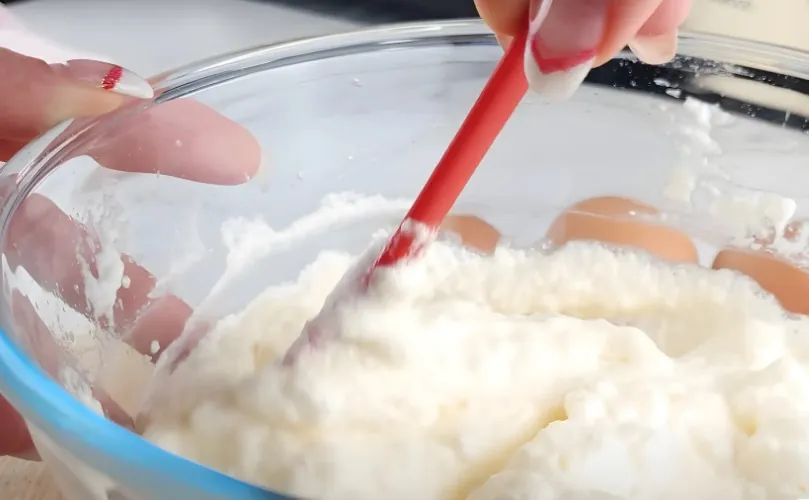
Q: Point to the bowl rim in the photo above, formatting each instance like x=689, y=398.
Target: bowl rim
x=730, y=50
x=117, y=451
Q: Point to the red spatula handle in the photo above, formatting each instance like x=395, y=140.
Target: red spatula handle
x=497, y=102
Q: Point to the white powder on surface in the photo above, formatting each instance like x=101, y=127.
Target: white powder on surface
x=248, y=240
x=101, y=287
x=77, y=385
x=746, y=214
x=100, y=260
x=739, y=215
x=681, y=184
x=579, y=374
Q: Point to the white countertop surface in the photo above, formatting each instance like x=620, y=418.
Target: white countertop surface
x=151, y=36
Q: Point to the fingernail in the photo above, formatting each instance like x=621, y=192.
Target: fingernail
x=657, y=49
x=107, y=77
x=563, y=41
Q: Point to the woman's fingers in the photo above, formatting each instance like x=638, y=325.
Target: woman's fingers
x=568, y=37
x=14, y=437
x=182, y=138
x=504, y=17
x=31, y=333
x=564, y=39
x=624, y=20
x=45, y=95
x=9, y=148
x=53, y=358
x=668, y=16
x=39, y=227
x=656, y=41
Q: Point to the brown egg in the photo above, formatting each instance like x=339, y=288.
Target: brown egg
x=786, y=281
x=475, y=232
x=609, y=219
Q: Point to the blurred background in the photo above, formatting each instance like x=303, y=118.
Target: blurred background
x=151, y=36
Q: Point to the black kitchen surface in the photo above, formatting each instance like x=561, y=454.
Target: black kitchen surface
x=387, y=10
x=371, y=10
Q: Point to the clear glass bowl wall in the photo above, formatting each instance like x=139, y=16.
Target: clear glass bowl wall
x=367, y=113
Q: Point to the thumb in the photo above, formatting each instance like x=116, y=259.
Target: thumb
x=14, y=437
x=35, y=96
x=504, y=17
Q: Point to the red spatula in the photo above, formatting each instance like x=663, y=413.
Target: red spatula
x=497, y=102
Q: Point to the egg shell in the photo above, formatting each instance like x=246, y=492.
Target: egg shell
x=785, y=280
x=475, y=232
x=612, y=220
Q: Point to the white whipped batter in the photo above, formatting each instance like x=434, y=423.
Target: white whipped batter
x=580, y=374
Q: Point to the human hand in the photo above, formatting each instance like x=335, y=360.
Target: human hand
x=568, y=37
x=35, y=96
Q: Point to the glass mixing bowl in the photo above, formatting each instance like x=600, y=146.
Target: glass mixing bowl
x=715, y=140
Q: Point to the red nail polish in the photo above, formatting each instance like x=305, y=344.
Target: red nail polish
x=563, y=44
x=112, y=77
x=548, y=65
x=109, y=77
